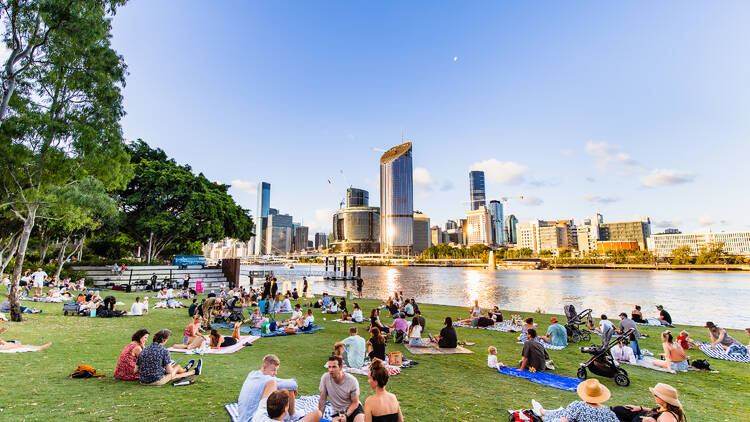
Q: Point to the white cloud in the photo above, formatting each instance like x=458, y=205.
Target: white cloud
x=422, y=178
x=531, y=201
x=608, y=156
x=667, y=223
x=600, y=199
x=665, y=177
x=323, y=220
x=506, y=172
x=248, y=187
x=706, y=221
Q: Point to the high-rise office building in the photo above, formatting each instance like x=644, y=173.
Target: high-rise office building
x=279, y=234
x=301, y=235
x=261, y=217
x=496, y=215
x=397, y=201
x=540, y=235
x=450, y=224
x=476, y=189
x=436, y=235
x=422, y=235
x=478, y=227
x=511, y=229
x=321, y=241
x=356, y=228
x=636, y=231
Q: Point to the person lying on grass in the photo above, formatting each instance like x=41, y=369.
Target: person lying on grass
x=15, y=346
x=154, y=364
x=125, y=368
x=217, y=340
x=260, y=384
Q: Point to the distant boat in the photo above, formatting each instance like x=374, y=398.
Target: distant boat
x=289, y=265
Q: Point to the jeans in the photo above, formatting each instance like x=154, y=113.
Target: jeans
x=737, y=350
x=636, y=348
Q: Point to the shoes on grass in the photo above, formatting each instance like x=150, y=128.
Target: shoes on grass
x=199, y=367
x=189, y=364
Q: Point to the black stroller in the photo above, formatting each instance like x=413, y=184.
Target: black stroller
x=575, y=320
x=235, y=308
x=602, y=363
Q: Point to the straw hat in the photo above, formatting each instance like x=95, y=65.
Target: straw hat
x=591, y=391
x=667, y=393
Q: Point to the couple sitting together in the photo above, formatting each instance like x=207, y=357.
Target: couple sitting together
x=266, y=398
x=152, y=364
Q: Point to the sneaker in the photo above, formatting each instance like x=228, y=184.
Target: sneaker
x=536, y=407
x=189, y=364
x=199, y=367
x=184, y=381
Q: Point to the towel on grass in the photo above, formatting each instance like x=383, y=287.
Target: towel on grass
x=543, y=378
x=653, y=322
x=546, y=345
x=718, y=352
x=42, y=299
x=302, y=406
x=223, y=350
x=648, y=362
x=505, y=326
x=433, y=349
x=343, y=322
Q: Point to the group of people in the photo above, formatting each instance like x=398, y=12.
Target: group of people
x=264, y=397
x=32, y=284
x=152, y=364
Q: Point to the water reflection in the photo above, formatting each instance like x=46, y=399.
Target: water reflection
x=723, y=296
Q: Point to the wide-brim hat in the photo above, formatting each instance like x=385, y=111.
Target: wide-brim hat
x=667, y=393
x=592, y=391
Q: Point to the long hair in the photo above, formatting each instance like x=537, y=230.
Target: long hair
x=674, y=410
x=215, y=338
x=414, y=323
x=667, y=335
x=376, y=337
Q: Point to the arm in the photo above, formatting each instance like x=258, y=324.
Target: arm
x=368, y=411
x=524, y=362
x=719, y=339
x=322, y=401
x=354, y=405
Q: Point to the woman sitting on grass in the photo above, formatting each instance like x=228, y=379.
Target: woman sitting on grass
x=357, y=313
x=669, y=407
x=637, y=316
x=381, y=406
x=125, y=369
x=376, y=345
x=192, y=337
x=447, y=337
x=720, y=337
x=217, y=340
x=529, y=323
x=415, y=333
x=588, y=409
x=18, y=347
x=375, y=321
x=674, y=355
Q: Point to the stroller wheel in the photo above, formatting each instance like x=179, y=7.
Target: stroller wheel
x=621, y=378
x=581, y=373
x=585, y=336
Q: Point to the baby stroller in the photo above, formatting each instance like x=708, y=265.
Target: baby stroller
x=232, y=311
x=603, y=364
x=575, y=320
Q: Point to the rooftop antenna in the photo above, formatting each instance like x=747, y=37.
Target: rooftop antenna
x=402, y=135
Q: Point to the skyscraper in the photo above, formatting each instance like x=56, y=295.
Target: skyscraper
x=478, y=227
x=496, y=216
x=476, y=189
x=356, y=227
x=279, y=233
x=301, y=234
x=261, y=217
x=422, y=236
x=321, y=240
x=397, y=201
x=511, y=231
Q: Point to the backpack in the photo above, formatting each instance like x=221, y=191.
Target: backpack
x=399, y=336
x=523, y=416
x=701, y=364
x=85, y=371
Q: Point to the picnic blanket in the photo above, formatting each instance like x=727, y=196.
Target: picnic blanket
x=223, y=350
x=343, y=322
x=430, y=348
x=546, y=345
x=543, y=378
x=653, y=322
x=256, y=331
x=505, y=326
x=302, y=405
x=19, y=350
x=41, y=299
x=719, y=353
x=648, y=363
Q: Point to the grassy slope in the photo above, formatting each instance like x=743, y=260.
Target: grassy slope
x=35, y=385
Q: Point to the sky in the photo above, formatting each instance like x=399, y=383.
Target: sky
x=630, y=109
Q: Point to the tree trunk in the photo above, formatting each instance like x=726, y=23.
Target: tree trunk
x=13, y=248
x=43, y=245
x=28, y=225
x=61, y=256
x=7, y=93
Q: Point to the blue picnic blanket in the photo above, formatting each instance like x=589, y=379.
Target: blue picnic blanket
x=256, y=331
x=302, y=406
x=544, y=378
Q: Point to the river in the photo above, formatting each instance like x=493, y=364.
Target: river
x=691, y=297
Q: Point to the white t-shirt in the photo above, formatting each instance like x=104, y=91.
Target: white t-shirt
x=138, y=308
x=476, y=312
x=492, y=361
x=605, y=325
x=170, y=293
x=623, y=354
x=296, y=314
x=416, y=332
x=357, y=315
x=38, y=278
x=309, y=321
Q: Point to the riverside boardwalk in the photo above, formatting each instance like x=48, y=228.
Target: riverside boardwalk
x=35, y=385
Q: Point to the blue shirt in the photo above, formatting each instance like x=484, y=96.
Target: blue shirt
x=326, y=301
x=558, y=336
x=252, y=392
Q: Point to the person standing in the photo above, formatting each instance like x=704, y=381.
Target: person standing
x=38, y=279
x=360, y=282
x=304, y=286
x=186, y=282
x=342, y=390
x=625, y=325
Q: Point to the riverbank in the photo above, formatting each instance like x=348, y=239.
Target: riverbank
x=36, y=386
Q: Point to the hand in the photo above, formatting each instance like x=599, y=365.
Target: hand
x=631, y=407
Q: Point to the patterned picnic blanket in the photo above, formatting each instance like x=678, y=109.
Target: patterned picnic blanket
x=505, y=326
x=547, y=345
x=543, y=378
x=302, y=405
x=256, y=331
x=222, y=350
x=41, y=299
x=719, y=353
x=430, y=348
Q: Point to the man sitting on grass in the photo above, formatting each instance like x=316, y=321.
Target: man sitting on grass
x=342, y=390
x=534, y=354
x=354, y=349
x=260, y=384
x=276, y=407
x=155, y=366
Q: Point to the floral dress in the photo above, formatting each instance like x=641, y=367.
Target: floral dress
x=581, y=412
x=125, y=369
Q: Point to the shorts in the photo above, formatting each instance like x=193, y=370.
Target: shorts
x=354, y=414
x=679, y=366
x=163, y=380
x=38, y=284
x=415, y=342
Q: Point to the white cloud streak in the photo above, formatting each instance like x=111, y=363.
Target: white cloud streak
x=505, y=172
x=666, y=177
x=600, y=199
x=243, y=185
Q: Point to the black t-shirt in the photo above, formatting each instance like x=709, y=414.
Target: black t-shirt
x=378, y=350
x=485, y=322
x=536, y=354
x=448, y=337
x=665, y=316
x=191, y=309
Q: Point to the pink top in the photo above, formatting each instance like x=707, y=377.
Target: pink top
x=125, y=369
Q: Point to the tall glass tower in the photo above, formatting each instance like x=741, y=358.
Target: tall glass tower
x=261, y=217
x=476, y=189
x=396, y=201
x=496, y=219
x=511, y=230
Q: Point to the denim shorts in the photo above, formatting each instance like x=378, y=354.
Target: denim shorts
x=415, y=342
x=679, y=366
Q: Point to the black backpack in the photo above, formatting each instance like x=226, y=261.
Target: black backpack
x=701, y=364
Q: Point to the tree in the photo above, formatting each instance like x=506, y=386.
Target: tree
x=545, y=253
x=166, y=204
x=62, y=120
x=710, y=254
x=682, y=255
x=525, y=252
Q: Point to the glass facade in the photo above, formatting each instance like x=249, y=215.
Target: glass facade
x=511, y=227
x=496, y=216
x=396, y=201
x=356, y=230
x=261, y=215
x=476, y=189
x=279, y=234
x=357, y=198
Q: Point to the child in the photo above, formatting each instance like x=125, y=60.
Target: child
x=492, y=358
x=684, y=341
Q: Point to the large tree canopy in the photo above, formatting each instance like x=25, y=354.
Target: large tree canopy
x=165, y=203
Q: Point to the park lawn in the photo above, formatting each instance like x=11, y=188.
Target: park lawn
x=35, y=386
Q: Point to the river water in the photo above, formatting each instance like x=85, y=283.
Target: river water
x=690, y=297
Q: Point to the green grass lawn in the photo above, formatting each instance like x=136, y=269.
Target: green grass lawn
x=35, y=386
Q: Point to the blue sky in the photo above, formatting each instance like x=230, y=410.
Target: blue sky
x=629, y=109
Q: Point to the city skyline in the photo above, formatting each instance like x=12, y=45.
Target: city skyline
x=642, y=120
